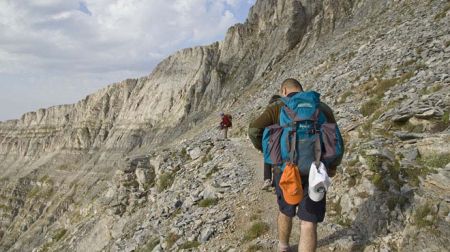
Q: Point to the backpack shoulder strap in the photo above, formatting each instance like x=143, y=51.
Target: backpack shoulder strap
x=284, y=100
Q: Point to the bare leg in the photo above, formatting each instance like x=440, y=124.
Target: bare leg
x=284, y=229
x=225, y=132
x=308, y=236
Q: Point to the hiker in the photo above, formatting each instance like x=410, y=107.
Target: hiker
x=310, y=206
x=268, y=181
x=226, y=122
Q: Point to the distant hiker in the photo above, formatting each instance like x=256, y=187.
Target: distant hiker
x=298, y=134
x=268, y=182
x=226, y=122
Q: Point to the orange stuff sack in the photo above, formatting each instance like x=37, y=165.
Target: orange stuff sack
x=291, y=185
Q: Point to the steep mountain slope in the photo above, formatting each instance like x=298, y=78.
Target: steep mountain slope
x=94, y=175
x=184, y=86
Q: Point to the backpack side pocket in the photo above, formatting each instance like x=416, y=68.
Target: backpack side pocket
x=329, y=140
x=332, y=144
x=271, y=144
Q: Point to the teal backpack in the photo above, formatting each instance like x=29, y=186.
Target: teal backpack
x=303, y=136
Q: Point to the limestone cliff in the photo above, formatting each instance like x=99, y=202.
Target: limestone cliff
x=184, y=86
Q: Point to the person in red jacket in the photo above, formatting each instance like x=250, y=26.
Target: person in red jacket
x=225, y=123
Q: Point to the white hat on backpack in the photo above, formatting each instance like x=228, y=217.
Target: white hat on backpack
x=318, y=181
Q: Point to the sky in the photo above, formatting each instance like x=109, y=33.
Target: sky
x=58, y=51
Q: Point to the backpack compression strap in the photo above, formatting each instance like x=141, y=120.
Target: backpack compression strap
x=293, y=145
x=317, y=144
x=317, y=149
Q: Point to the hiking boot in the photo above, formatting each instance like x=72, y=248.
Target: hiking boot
x=272, y=190
x=267, y=184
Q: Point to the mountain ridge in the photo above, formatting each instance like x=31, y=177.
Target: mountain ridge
x=196, y=90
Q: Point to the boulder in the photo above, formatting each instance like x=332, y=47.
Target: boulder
x=145, y=178
x=195, y=153
x=401, y=118
x=209, y=192
x=402, y=135
x=206, y=234
x=438, y=144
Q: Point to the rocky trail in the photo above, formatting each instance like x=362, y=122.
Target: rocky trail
x=255, y=208
x=214, y=202
x=254, y=227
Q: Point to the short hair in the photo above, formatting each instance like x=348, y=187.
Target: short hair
x=292, y=84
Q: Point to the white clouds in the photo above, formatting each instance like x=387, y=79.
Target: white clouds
x=71, y=41
x=61, y=16
x=233, y=2
x=98, y=30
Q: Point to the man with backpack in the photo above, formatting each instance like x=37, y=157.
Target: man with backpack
x=226, y=122
x=298, y=131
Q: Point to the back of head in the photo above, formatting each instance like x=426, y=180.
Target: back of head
x=292, y=85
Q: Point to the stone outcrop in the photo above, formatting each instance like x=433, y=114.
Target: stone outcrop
x=182, y=87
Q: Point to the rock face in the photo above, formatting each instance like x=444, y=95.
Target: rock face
x=115, y=172
x=182, y=87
